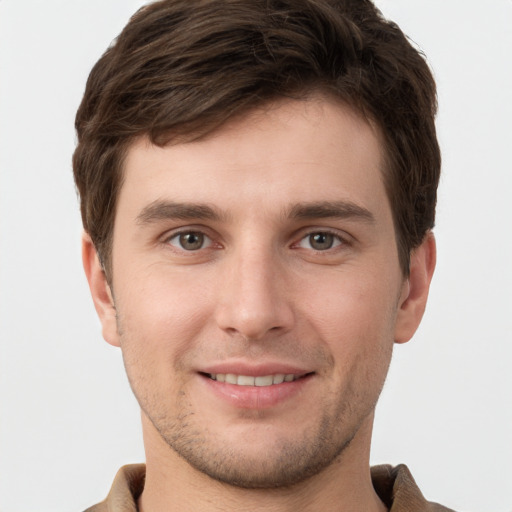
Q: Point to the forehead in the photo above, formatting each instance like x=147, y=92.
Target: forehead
x=286, y=152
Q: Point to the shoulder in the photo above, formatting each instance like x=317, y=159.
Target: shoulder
x=125, y=490
x=397, y=488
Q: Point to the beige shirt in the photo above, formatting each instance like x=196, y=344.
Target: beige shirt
x=394, y=485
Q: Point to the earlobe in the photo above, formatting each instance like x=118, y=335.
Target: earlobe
x=100, y=291
x=415, y=290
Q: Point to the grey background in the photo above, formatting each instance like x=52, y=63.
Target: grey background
x=67, y=417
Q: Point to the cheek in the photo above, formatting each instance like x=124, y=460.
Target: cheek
x=159, y=320
x=354, y=315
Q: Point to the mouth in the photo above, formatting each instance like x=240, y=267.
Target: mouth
x=263, y=388
x=259, y=381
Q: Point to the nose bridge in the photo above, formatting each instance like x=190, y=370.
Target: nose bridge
x=254, y=298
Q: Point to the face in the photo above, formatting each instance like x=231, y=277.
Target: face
x=257, y=291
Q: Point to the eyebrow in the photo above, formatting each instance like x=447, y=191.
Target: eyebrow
x=330, y=209
x=168, y=210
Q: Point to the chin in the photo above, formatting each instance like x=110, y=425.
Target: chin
x=259, y=459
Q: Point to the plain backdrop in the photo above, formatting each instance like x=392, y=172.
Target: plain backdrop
x=68, y=420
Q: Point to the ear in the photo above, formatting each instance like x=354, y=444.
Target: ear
x=413, y=299
x=100, y=291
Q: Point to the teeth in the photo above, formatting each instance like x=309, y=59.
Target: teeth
x=279, y=378
x=244, y=380
x=231, y=379
x=247, y=380
x=264, y=381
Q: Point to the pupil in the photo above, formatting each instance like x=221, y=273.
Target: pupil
x=321, y=241
x=191, y=241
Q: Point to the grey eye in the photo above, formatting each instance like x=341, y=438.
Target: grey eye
x=190, y=241
x=320, y=241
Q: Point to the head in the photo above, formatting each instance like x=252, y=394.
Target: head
x=258, y=181
x=181, y=69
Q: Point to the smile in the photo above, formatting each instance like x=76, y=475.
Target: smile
x=247, y=380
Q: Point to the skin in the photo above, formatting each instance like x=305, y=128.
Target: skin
x=291, y=263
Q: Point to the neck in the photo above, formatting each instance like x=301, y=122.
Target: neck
x=173, y=485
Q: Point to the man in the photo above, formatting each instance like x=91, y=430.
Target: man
x=258, y=184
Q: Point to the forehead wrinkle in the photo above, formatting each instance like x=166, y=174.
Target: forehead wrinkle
x=330, y=209
x=170, y=210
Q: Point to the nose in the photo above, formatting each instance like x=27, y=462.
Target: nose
x=255, y=300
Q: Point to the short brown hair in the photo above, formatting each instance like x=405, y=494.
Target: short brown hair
x=181, y=68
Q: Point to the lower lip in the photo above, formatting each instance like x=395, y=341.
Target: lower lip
x=256, y=397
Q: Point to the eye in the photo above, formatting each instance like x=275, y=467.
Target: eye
x=190, y=241
x=320, y=241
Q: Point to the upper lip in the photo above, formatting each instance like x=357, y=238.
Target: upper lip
x=254, y=370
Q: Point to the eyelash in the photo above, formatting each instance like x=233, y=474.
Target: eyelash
x=337, y=240
x=179, y=234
